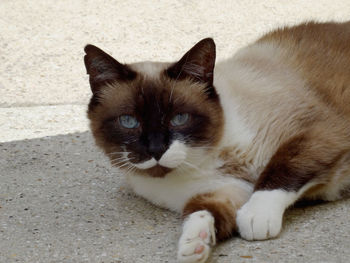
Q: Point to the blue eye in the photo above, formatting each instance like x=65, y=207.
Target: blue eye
x=179, y=119
x=128, y=122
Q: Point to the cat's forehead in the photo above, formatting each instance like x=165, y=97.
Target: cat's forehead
x=153, y=86
x=150, y=69
x=153, y=92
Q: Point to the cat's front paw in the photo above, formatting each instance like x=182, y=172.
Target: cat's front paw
x=197, y=238
x=261, y=217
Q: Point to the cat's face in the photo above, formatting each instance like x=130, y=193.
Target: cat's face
x=155, y=117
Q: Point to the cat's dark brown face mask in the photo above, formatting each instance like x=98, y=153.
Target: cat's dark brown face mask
x=149, y=116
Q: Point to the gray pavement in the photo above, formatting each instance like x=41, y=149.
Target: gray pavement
x=60, y=201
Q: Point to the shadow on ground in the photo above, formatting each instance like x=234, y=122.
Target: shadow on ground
x=60, y=201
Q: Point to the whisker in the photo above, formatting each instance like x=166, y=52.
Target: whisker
x=120, y=162
x=129, y=170
x=203, y=147
x=126, y=157
x=182, y=169
x=124, y=160
x=125, y=164
x=119, y=158
x=121, y=152
x=114, y=153
x=191, y=165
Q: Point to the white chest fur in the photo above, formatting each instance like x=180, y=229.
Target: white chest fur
x=174, y=190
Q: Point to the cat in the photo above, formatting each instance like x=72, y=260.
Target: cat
x=230, y=145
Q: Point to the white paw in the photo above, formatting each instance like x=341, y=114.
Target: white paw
x=197, y=238
x=261, y=217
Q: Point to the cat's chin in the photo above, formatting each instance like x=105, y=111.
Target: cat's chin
x=156, y=171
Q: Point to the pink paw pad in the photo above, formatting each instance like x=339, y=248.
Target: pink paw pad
x=203, y=234
x=199, y=249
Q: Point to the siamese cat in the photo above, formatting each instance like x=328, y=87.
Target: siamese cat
x=230, y=145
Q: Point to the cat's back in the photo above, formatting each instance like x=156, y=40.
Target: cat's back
x=320, y=53
x=291, y=79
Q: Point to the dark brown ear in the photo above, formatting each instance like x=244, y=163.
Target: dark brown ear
x=198, y=63
x=104, y=69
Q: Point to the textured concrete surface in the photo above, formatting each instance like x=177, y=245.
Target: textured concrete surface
x=19, y=123
x=60, y=201
x=41, y=42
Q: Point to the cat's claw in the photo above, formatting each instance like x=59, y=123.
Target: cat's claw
x=197, y=238
x=261, y=217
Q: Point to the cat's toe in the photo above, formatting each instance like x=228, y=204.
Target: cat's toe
x=244, y=224
x=196, y=251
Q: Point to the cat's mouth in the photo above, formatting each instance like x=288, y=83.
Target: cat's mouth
x=152, y=163
x=158, y=166
x=172, y=158
x=155, y=168
x=157, y=171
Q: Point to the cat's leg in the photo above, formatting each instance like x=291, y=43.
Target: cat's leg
x=210, y=217
x=298, y=165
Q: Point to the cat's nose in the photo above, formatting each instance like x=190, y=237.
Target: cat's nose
x=156, y=147
x=156, y=154
x=156, y=150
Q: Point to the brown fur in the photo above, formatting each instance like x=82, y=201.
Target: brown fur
x=313, y=141
x=152, y=95
x=120, y=98
x=235, y=164
x=320, y=53
x=310, y=155
x=223, y=205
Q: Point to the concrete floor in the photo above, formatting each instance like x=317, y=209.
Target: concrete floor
x=60, y=201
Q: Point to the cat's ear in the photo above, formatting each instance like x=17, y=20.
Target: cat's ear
x=198, y=63
x=104, y=69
